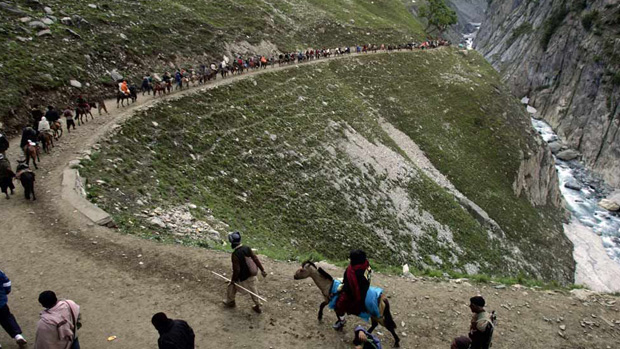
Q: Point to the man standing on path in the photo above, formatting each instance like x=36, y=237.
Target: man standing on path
x=481, y=328
x=7, y=320
x=245, y=268
x=173, y=334
x=59, y=322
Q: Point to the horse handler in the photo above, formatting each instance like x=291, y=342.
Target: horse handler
x=245, y=266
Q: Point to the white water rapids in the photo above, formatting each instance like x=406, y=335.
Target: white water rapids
x=594, y=231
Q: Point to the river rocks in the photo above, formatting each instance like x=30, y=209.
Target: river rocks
x=568, y=155
x=609, y=205
x=555, y=147
x=37, y=25
x=75, y=83
x=572, y=184
x=45, y=32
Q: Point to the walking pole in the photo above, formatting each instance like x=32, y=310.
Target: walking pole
x=241, y=287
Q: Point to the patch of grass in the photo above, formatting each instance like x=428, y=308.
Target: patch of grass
x=589, y=19
x=273, y=165
x=523, y=29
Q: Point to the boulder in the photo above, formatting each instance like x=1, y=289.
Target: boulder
x=609, y=205
x=614, y=197
x=37, y=25
x=25, y=19
x=75, y=83
x=48, y=10
x=116, y=75
x=8, y=8
x=74, y=34
x=66, y=20
x=555, y=147
x=572, y=184
x=92, y=6
x=47, y=21
x=123, y=36
x=568, y=155
x=45, y=32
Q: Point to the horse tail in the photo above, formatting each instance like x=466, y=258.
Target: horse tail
x=387, y=315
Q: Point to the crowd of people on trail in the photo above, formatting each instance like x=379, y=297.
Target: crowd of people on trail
x=60, y=320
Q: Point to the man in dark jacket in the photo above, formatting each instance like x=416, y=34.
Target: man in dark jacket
x=52, y=115
x=173, y=334
x=245, y=268
x=7, y=320
x=355, y=285
x=481, y=327
x=37, y=114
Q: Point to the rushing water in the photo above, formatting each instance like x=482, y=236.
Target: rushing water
x=583, y=203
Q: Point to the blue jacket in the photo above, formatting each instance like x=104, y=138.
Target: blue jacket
x=5, y=288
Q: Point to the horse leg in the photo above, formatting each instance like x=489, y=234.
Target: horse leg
x=321, y=309
x=389, y=323
x=31, y=185
x=374, y=324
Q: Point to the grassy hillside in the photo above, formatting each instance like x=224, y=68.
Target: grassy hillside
x=301, y=162
x=158, y=34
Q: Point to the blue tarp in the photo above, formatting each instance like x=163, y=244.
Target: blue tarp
x=371, y=304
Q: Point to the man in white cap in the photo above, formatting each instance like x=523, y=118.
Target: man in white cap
x=245, y=268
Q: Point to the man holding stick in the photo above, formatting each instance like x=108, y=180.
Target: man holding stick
x=245, y=269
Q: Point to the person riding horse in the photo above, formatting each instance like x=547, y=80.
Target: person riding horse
x=123, y=88
x=355, y=285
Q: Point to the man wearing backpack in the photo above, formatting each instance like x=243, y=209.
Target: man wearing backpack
x=482, y=326
x=245, y=268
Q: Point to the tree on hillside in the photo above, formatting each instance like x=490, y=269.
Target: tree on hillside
x=438, y=15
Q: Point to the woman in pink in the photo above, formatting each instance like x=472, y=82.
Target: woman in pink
x=58, y=325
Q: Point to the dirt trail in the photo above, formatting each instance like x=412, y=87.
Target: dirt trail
x=121, y=281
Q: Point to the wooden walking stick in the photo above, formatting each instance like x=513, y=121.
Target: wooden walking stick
x=241, y=287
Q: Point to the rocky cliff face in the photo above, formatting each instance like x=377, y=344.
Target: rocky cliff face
x=565, y=56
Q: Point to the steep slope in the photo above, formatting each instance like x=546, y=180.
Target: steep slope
x=565, y=55
x=46, y=44
x=321, y=159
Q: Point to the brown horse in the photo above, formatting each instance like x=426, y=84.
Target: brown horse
x=32, y=152
x=47, y=140
x=324, y=282
x=57, y=128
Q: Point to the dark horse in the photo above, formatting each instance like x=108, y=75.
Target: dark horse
x=132, y=96
x=324, y=282
x=26, y=176
x=82, y=112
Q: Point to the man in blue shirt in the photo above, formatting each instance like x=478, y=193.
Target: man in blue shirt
x=7, y=320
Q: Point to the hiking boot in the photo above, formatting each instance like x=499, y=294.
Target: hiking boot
x=228, y=304
x=339, y=325
x=257, y=309
x=21, y=341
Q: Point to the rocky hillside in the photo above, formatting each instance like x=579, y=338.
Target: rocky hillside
x=440, y=170
x=46, y=44
x=564, y=55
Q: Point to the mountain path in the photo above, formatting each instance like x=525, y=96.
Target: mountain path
x=121, y=281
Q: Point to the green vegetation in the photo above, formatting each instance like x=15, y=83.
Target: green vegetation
x=158, y=34
x=552, y=24
x=523, y=29
x=589, y=19
x=438, y=15
x=275, y=157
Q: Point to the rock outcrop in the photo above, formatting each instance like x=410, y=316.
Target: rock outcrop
x=537, y=177
x=565, y=56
